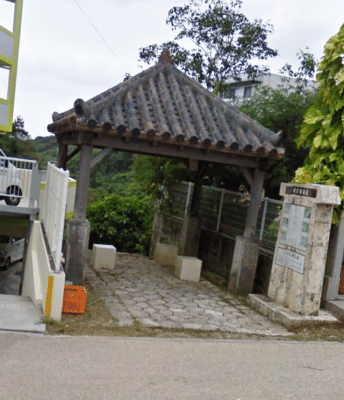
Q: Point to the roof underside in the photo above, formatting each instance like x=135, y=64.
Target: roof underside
x=161, y=104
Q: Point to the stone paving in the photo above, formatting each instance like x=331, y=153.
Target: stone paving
x=140, y=290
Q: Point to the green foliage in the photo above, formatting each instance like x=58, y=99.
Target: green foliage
x=323, y=128
x=158, y=175
x=125, y=223
x=18, y=129
x=226, y=42
x=18, y=143
x=281, y=109
x=47, y=148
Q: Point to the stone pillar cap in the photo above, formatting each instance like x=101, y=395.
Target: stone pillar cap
x=322, y=194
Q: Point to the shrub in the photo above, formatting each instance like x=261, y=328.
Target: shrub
x=125, y=223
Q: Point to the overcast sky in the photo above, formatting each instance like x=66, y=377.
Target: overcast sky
x=62, y=58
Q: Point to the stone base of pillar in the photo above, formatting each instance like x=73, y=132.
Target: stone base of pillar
x=189, y=238
x=78, y=234
x=244, y=265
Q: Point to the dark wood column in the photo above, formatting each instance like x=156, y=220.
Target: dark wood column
x=83, y=182
x=191, y=230
x=246, y=251
x=62, y=156
x=197, y=191
x=78, y=228
x=253, y=208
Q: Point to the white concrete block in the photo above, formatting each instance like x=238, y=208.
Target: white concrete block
x=188, y=268
x=166, y=254
x=103, y=256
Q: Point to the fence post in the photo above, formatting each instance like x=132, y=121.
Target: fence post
x=220, y=211
x=34, y=190
x=262, y=225
x=188, y=199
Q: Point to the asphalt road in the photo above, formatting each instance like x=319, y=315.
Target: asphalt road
x=57, y=367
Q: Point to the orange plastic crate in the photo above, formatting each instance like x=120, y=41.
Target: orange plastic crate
x=74, y=300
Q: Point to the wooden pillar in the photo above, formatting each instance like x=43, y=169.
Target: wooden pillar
x=254, y=205
x=78, y=228
x=62, y=156
x=83, y=182
x=197, y=191
x=246, y=251
x=191, y=230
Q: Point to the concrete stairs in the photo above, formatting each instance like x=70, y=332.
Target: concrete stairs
x=20, y=314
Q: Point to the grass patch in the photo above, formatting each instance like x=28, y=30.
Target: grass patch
x=324, y=331
x=215, y=279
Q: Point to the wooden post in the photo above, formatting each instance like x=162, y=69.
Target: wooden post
x=191, y=230
x=246, y=251
x=197, y=192
x=78, y=229
x=253, y=208
x=62, y=156
x=83, y=182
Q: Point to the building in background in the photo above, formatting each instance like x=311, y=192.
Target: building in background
x=243, y=89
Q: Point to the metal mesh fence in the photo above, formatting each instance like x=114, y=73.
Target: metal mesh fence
x=224, y=212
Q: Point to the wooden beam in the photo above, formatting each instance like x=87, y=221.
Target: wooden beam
x=73, y=153
x=165, y=149
x=100, y=156
x=247, y=174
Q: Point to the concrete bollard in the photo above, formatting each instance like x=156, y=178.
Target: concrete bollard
x=103, y=256
x=188, y=268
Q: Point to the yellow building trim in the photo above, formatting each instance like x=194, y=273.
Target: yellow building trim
x=13, y=64
x=49, y=295
x=5, y=60
x=9, y=33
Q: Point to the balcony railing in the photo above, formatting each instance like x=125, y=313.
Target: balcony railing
x=19, y=182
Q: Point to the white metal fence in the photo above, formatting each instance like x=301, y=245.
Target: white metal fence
x=53, y=210
x=224, y=213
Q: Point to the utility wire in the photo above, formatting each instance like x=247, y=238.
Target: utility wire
x=125, y=69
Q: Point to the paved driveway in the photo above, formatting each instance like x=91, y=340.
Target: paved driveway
x=142, y=290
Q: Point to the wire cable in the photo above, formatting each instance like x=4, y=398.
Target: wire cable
x=125, y=69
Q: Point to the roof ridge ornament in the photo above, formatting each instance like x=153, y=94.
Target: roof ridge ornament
x=165, y=57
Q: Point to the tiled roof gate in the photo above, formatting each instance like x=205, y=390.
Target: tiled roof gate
x=163, y=112
x=163, y=106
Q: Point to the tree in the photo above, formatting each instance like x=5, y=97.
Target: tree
x=283, y=109
x=226, y=42
x=18, y=129
x=323, y=128
x=157, y=176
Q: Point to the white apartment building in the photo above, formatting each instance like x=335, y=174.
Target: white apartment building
x=245, y=88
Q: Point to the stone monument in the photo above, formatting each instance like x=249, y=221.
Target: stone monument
x=300, y=254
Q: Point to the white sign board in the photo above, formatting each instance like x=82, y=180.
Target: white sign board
x=295, y=226
x=290, y=259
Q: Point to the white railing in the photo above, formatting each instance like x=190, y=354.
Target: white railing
x=19, y=181
x=53, y=210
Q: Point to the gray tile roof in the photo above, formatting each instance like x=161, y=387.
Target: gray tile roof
x=163, y=104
